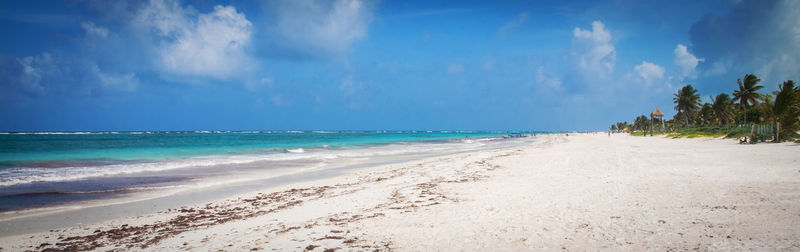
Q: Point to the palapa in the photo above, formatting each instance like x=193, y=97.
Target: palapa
x=656, y=112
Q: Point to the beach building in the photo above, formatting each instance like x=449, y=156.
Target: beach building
x=656, y=114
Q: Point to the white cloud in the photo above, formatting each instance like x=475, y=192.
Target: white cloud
x=596, y=56
x=649, y=72
x=766, y=44
x=719, y=67
x=513, y=25
x=598, y=33
x=455, y=68
x=776, y=67
x=166, y=17
x=124, y=82
x=671, y=85
x=686, y=62
x=94, y=30
x=547, y=79
x=210, y=45
x=33, y=69
x=47, y=73
x=328, y=27
x=214, y=48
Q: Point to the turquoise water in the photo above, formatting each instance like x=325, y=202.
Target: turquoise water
x=47, y=168
x=50, y=148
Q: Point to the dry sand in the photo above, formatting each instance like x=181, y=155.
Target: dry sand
x=582, y=192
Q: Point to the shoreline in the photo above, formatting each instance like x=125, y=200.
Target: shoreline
x=582, y=191
x=41, y=219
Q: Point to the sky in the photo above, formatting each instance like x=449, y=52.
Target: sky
x=378, y=65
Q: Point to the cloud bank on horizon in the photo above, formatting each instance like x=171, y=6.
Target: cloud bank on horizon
x=353, y=64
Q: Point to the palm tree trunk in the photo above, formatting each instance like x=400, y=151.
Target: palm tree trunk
x=744, y=108
x=686, y=116
x=775, y=129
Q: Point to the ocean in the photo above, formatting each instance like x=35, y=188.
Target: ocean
x=42, y=169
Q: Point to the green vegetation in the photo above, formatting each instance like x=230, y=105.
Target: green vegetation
x=709, y=131
x=787, y=110
x=722, y=110
x=646, y=133
x=747, y=92
x=761, y=117
x=686, y=101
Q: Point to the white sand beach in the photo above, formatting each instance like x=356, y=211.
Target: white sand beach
x=577, y=192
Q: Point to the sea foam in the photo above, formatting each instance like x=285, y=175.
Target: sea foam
x=23, y=175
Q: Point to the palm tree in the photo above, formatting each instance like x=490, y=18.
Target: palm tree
x=613, y=128
x=786, y=110
x=747, y=92
x=676, y=120
x=768, y=111
x=687, y=100
x=706, y=114
x=621, y=126
x=644, y=122
x=721, y=107
x=641, y=123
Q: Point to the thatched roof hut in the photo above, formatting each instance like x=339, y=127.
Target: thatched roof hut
x=656, y=112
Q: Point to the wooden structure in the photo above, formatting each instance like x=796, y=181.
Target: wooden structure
x=656, y=114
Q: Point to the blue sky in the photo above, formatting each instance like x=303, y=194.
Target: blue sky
x=352, y=64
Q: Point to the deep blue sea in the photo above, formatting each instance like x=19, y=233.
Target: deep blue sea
x=46, y=168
